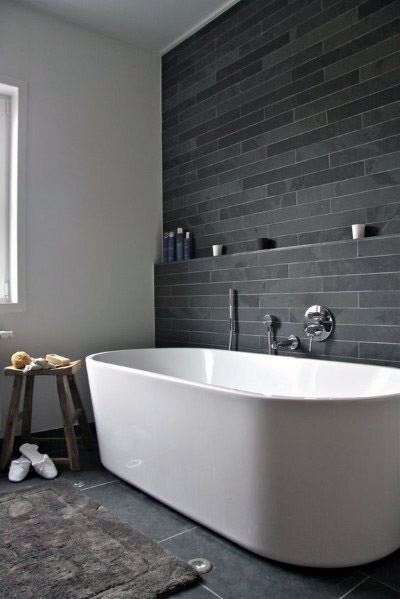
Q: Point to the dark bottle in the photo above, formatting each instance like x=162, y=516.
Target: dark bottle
x=187, y=246
x=179, y=244
x=165, y=247
x=171, y=254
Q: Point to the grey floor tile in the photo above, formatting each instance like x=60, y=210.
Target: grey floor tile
x=372, y=589
x=239, y=574
x=30, y=481
x=196, y=592
x=140, y=510
x=386, y=570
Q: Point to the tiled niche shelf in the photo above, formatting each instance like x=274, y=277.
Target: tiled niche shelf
x=289, y=254
x=358, y=279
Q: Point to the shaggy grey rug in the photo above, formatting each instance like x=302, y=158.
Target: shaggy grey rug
x=57, y=543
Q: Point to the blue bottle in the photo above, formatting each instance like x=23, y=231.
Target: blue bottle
x=165, y=247
x=179, y=244
x=187, y=246
x=171, y=250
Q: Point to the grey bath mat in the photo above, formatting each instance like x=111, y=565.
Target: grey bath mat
x=57, y=543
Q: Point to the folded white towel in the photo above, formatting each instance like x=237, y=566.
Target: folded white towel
x=38, y=364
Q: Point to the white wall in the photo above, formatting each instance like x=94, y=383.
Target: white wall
x=93, y=194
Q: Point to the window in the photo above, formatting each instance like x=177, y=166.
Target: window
x=11, y=177
x=5, y=175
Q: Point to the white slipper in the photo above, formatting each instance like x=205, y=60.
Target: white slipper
x=41, y=462
x=19, y=469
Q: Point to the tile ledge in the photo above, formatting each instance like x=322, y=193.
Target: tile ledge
x=279, y=249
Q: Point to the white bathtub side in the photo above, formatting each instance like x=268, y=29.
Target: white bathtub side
x=313, y=483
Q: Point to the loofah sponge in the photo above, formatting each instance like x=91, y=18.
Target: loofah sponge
x=20, y=359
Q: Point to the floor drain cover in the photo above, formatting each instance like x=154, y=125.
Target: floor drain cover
x=201, y=565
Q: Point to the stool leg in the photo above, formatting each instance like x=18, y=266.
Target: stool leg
x=11, y=423
x=69, y=432
x=27, y=410
x=87, y=439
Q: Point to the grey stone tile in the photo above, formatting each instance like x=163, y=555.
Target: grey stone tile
x=285, y=130
x=383, y=113
x=381, y=333
x=345, y=140
x=343, y=299
x=197, y=591
x=290, y=213
x=362, y=282
x=208, y=125
x=321, y=177
x=363, y=57
x=226, y=130
x=380, y=66
x=268, y=164
x=256, y=129
x=386, y=570
x=282, y=93
x=287, y=172
x=316, y=237
x=341, y=104
x=380, y=351
x=251, y=274
x=318, y=223
x=325, y=16
x=382, y=163
x=363, y=104
x=372, y=589
x=325, y=251
x=182, y=278
x=210, y=159
x=369, y=23
x=377, y=148
x=343, y=51
x=259, y=206
x=346, y=267
x=379, y=299
x=313, y=138
x=140, y=510
x=365, y=9
x=326, y=88
x=259, y=53
x=378, y=246
x=236, y=571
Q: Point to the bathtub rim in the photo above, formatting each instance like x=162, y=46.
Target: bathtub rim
x=242, y=392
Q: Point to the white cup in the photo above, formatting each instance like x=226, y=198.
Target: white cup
x=217, y=250
x=358, y=231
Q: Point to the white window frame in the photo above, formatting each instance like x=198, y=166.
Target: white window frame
x=16, y=90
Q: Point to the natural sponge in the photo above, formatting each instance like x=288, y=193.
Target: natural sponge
x=20, y=359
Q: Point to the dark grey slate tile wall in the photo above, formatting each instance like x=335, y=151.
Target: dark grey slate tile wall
x=281, y=120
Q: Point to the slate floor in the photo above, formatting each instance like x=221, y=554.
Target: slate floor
x=237, y=574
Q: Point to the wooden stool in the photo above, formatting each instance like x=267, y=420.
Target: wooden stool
x=62, y=374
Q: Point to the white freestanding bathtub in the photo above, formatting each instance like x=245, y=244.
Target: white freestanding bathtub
x=295, y=459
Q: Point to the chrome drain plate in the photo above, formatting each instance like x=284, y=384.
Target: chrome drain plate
x=201, y=565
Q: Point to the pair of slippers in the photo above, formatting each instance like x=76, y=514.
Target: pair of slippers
x=30, y=456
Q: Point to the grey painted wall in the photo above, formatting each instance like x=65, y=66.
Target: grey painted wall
x=281, y=120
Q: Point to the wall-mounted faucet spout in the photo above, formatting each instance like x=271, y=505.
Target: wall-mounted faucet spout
x=268, y=320
x=232, y=324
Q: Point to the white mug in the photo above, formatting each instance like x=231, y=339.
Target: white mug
x=358, y=231
x=217, y=250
